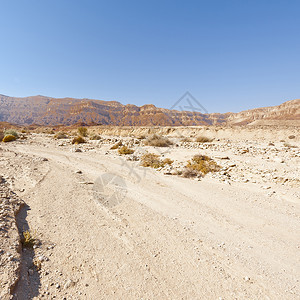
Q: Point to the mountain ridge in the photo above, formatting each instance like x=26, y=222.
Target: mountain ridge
x=50, y=111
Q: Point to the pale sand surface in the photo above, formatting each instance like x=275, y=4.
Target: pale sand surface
x=167, y=237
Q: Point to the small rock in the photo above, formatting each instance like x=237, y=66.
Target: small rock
x=69, y=283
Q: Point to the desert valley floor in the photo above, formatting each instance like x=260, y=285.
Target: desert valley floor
x=108, y=228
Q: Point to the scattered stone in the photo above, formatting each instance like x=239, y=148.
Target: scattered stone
x=69, y=283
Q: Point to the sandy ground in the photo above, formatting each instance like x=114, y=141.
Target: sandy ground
x=110, y=229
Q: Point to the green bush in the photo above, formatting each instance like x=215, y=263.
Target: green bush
x=11, y=132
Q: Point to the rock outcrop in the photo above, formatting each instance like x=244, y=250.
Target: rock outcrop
x=67, y=111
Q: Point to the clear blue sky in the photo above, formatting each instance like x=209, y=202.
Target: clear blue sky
x=231, y=55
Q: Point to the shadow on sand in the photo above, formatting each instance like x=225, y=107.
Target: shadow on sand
x=29, y=283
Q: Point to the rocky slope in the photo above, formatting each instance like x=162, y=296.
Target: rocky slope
x=51, y=111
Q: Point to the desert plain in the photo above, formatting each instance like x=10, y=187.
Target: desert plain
x=106, y=227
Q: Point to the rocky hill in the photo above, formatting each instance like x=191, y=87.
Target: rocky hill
x=67, y=111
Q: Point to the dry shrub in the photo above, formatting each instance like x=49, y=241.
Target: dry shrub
x=78, y=140
x=291, y=137
x=141, y=137
x=28, y=239
x=11, y=132
x=288, y=145
x=95, y=137
x=202, y=164
x=1, y=136
x=125, y=150
x=158, y=141
x=82, y=131
x=116, y=146
x=186, y=140
x=203, y=139
x=9, y=138
x=60, y=135
x=189, y=173
x=167, y=161
x=152, y=160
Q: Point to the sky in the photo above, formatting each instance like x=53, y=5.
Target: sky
x=230, y=55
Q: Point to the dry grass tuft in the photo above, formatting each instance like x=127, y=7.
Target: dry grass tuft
x=158, y=141
x=60, y=135
x=82, y=131
x=288, y=145
x=11, y=132
x=291, y=137
x=116, y=146
x=125, y=150
x=189, y=173
x=167, y=161
x=153, y=161
x=28, y=239
x=78, y=140
x=202, y=164
x=8, y=138
x=203, y=139
x=141, y=137
x=186, y=140
x=95, y=137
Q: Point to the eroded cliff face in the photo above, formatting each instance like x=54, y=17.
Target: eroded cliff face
x=67, y=111
x=289, y=110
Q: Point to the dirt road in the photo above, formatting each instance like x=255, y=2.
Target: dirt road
x=110, y=229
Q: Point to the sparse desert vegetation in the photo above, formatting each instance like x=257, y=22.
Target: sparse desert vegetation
x=116, y=145
x=203, y=139
x=1, y=135
x=95, y=137
x=61, y=135
x=202, y=164
x=9, y=138
x=158, y=141
x=235, y=176
x=28, y=239
x=154, y=161
x=83, y=131
x=186, y=140
x=125, y=150
x=11, y=132
x=78, y=140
